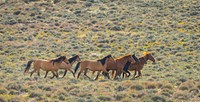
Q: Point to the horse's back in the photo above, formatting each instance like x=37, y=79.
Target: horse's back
x=91, y=64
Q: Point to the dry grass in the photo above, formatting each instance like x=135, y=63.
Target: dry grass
x=42, y=29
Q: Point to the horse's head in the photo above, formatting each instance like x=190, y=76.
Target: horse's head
x=78, y=58
x=110, y=58
x=105, y=59
x=150, y=57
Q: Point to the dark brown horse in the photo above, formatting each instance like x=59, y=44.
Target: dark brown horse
x=67, y=66
x=119, y=64
x=96, y=65
x=137, y=67
x=46, y=65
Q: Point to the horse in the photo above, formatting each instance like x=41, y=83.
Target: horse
x=119, y=64
x=93, y=65
x=137, y=67
x=67, y=66
x=46, y=65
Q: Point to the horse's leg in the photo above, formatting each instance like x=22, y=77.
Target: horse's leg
x=38, y=72
x=97, y=75
x=116, y=74
x=72, y=72
x=123, y=75
x=106, y=75
x=79, y=73
x=32, y=72
x=139, y=73
x=46, y=74
x=112, y=74
x=85, y=73
x=53, y=74
x=93, y=72
x=57, y=74
x=64, y=73
x=129, y=74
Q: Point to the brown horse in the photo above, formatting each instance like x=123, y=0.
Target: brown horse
x=67, y=66
x=119, y=64
x=99, y=65
x=46, y=65
x=137, y=67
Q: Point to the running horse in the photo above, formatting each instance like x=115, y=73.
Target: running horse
x=137, y=67
x=119, y=64
x=46, y=65
x=94, y=65
x=67, y=66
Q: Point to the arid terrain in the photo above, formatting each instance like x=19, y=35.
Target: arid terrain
x=92, y=29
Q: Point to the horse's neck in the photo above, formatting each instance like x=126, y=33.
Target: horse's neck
x=58, y=63
x=143, y=60
x=72, y=62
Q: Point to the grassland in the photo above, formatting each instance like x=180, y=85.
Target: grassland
x=44, y=29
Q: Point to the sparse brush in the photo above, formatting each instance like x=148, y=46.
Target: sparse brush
x=137, y=87
x=181, y=95
x=186, y=85
x=167, y=86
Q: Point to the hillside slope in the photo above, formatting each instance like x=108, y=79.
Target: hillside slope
x=45, y=29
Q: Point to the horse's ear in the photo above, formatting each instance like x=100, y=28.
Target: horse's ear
x=145, y=53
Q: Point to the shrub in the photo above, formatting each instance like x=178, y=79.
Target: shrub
x=151, y=86
x=167, y=86
x=158, y=99
x=71, y=2
x=194, y=92
x=14, y=86
x=120, y=88
x=104, y=98
x=34, y=95
x=17, y=12
x=119, y=97
x=166, y=92
x=181, y=95
x=14, y=92
x=183, y=88
x=47, y=88
x=2, y=100
x=137, y=87
x=3, y=91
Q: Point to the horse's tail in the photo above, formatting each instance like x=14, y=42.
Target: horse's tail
x=77, y=66
x=28, y=66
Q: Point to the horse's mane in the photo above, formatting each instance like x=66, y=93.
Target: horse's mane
x=135, y=58
x=58, y=59
x=128, y=55
x=72, y=58
x=103, y=60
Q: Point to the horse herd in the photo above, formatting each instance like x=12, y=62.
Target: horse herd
x=121, y=65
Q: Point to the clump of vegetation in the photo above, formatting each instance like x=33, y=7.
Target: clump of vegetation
x=137, y=87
